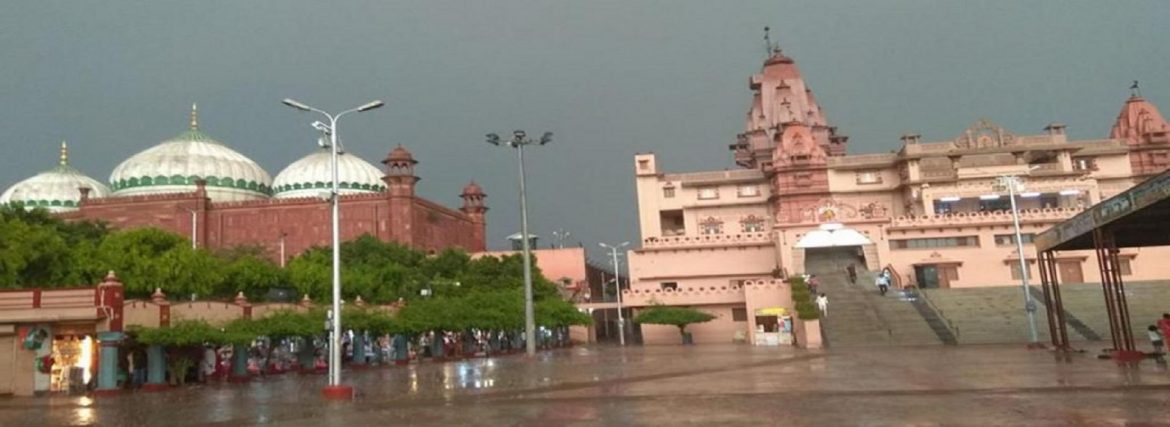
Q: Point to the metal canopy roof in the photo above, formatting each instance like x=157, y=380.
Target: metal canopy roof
x=1137, y=217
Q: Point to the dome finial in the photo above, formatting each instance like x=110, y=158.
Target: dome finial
x=194, y=116
x=64, y=154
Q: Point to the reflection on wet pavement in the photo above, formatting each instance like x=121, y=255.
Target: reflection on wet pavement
x=709, y=385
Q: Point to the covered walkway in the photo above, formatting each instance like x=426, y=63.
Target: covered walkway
x=1138, y=217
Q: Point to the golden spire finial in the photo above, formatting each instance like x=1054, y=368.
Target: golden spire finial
x=194, y=116
x=64, y=154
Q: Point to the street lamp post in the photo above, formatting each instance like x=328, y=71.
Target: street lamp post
x=617, y=283
x=518, y=141
x=335, y=390
x=1013, y=184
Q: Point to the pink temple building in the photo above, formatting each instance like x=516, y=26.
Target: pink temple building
x=934, y=213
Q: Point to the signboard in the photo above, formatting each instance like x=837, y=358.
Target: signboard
x=1147, y=193
x=1151, y=191
x=1109, y=210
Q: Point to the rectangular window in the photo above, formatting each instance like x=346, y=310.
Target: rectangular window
x=935, y=242
x=739, y=315
x=749, y=191
x=668, y=286
x=1014, y=266
x=869, y=177
x=1084, y=164
x=708, y=193
x=1010, y=239
x=668, y=192
x=711, y=228
x=643, y=164
x=753, y=226
x=1124, y=264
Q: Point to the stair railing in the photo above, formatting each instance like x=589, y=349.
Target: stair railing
x=941, y=315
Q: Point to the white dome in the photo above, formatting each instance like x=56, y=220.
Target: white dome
x=175, y=165
x=311, y=174
x=57, y=189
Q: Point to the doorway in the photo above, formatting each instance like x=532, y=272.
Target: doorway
x=833, y=259
x=926, y=276
x=937, y=276
x=1070, y=271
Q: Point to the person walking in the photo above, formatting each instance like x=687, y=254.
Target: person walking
x=813, y=282
x=852, y=272
x=883, y=284
x=823, y=304
x=1164, y=325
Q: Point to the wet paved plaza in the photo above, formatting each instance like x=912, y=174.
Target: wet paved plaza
x=699, y=385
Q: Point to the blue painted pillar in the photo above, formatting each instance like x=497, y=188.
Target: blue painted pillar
x=359, y=348
x=307, y=356
x=437, y=347
x=239, y=364
x=398, y=350
x=107, y=377
x=156, y=368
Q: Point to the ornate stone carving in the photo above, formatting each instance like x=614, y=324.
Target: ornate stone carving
x=985, y=134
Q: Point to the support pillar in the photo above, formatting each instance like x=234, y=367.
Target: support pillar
x=437, y=348
x=107, y=377
x=307, y=356
x=1116, y=305
x=1057, y=326
x=239, y=364
x=156, y=369
x=398, y=350
x=359, y=350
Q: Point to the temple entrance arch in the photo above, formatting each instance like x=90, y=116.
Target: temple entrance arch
x=832, y=247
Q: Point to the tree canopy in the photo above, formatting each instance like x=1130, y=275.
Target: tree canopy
x=675, y=316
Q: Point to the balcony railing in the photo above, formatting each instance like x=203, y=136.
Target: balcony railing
x=755, y=238
x=993, y=217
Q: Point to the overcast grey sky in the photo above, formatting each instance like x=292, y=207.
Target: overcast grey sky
x=611, y=78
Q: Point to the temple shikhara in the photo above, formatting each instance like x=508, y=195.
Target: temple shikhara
x=199, y=187
x=935, y=214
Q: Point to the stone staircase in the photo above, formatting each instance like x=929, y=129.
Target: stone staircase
x=996, y=315
x=860, y=316
x=987, y=315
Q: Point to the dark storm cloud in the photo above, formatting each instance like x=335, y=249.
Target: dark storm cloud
x=611, y=78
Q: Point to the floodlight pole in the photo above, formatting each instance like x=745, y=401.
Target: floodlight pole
x=617, y=284
x=1011, y=182
x=335, y=390
x=518, y=141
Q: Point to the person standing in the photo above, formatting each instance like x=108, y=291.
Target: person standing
x=1156, y=340
x=813, y=282
x=823, y=304
x=852, y=272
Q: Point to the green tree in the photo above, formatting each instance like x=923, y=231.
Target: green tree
x=252, y=275
x=675, y=316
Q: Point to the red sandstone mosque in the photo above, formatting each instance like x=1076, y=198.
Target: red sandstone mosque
x=199, y=187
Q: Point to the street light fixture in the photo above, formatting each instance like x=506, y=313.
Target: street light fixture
x=617, y=280
x=519, y=141
x=335, y=390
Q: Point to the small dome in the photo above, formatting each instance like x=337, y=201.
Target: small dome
x=399, y=153
x=472, y=189
x=175, y=165
x=311, y=174
x=57, y=189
